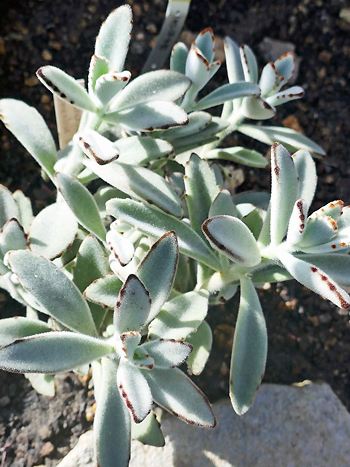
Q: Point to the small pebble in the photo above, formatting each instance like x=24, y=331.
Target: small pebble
x=46, y=55
x=47, y=449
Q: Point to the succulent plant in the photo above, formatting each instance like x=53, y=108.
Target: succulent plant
x=99, y=293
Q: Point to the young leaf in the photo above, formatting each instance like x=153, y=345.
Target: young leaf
x=176, y=393
x=290, y=94
x=65, y=87
x=52, y=352
x=97, y=147
x=249, y=64
x=157, y=271
x=113, y=38
x=166, y=353
x=53, y=230
x=227, y=92
x=82, y=203
x=238, y=154
x=307, y=177
x=249, y=349
x=148, y=431
x=98, y=67
x=51, y=288
x=159, y=85
x=112, y=429
x=284, y=191
x=233, y=66
x=223, y=204
x=12, y=237
x=15, y=328
x=132, y=307
x=178, y=58
x=232, y=237
x=314, y=279
x=257, y=108
x=110, y=84
x=104, y=291
x=28, y=126
x=121, y=247
x=197, y=121
x=201, y=189
x=180, y=316
x=134, y=390
x=25, y=212
x=155, y=223
x=201, y=342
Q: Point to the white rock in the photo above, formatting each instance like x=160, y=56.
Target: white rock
x=288, y=426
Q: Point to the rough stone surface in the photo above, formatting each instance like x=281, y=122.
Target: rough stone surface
x=288, y=426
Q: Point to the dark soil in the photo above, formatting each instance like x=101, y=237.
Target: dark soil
x=308, y=338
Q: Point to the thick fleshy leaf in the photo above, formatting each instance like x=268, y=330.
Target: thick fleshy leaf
x=290, y=94
x=140, y=183
x=270, y=79
x=148, y=431
x=42, y=383
x=337, y=266
x=52, y=352
x=134, y=390
x=51, y=288
x=8, y=206
x=157, y=271
x=12, y=237
x=28, y=126
x=53, y=230
x=82, y=203
x=307, y=176
x=227, y=92
x=270, y=134
x=223, y=204
x=155, y=115
x=238, y=154
x=167, y=353
x=110, y=84
x=176, y=393
x=98, y=67
x=318, y=231
x=97, y=147
x=259, y=199
x=297, y=222
x=113, y=38
x=132, y=307
x=314, y=279
x=257, y=108
x=121, y=247
x=233, y=66
x=178, y=58
x=155, y=223
x=91, y=263
x=201, y=342
x=15, y=328
x=139, y=150
x=285, y=65
x=159, y=85
x=201, y=190
x=205, y=42
x=270, y=273
x=65, y=87
x=25, y=212
x=232, y=237
x=249, y=64
x=112, y=420
x=197, y=67
x=180, y=316
x=104, y=291
x=249, y=349
x=284, y=191
x=197, y=121
x=129, y=341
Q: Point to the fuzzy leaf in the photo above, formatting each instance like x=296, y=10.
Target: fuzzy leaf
x=121, y=247
x=270, y=134
x=25, y=212
x=270, y=273
x=249, y=349
x=98, y=67
x=180, y=316
x=134, y=390
x=290, y=94
x=159, y=85
x=155, y=223
x=97, y=147
x=53, y=230
x=113, y=38
x=28, y=126
x=155, y=115
x=110, y=84
x=314, y=279
x=176, y=393
x=157, y=271
x=257, y=109
x=296, y=227
x=42, y=383
x=201, y=190
x=65, y=87
x=284, y=191
x=104, y=291
x=112, y=421
x=139, y=150
x=232, y=237
x=12, y=237
x=318, y=231
x=285, y=65
x=15, y=328
x=178, y=58
x=249, y=64
x=307, y=176
x=52, y=352
x=132, y=307
x=269, y=80
x=336, y=266
x=238, y=154
x=167, y=353
x=82, y=203
x=201, y=342
x=227, y=92
x=148, y=431
x=223, y=204
x=197, y=121
x=139, y=183
x=51, y=288
x=233, y=66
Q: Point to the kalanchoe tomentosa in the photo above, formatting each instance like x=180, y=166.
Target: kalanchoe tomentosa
x=146, y=143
